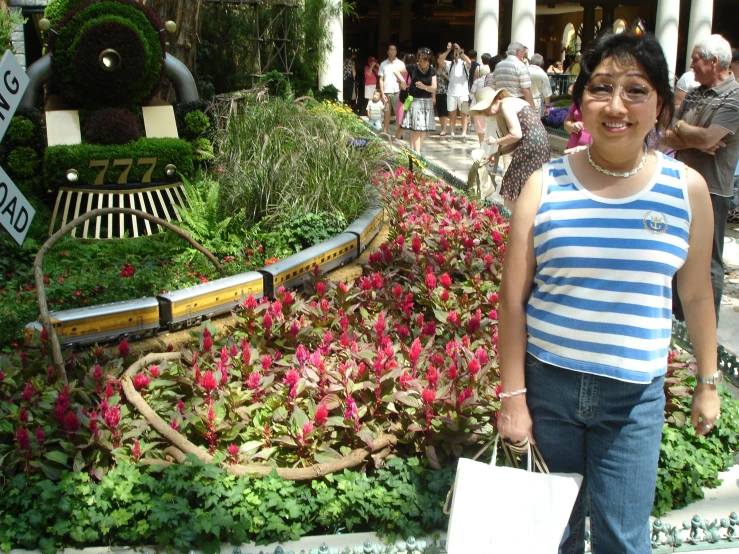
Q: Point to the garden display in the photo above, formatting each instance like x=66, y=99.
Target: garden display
x=104, y=144
x=343, y=407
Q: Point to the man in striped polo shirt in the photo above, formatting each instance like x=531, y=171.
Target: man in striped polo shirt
x=513, y=75
x=704, y=133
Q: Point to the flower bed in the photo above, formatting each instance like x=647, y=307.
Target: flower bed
x=397, y=370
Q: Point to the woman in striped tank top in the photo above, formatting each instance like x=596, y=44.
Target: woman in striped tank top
x=585, y=315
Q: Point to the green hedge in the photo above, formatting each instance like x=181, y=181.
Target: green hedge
x=122, y=25
x=58, y=159
x=196, y=506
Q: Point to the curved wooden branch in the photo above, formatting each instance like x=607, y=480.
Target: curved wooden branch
x=56, y=351
x=181, y=446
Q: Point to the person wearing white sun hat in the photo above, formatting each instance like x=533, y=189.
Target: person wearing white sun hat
x=520, y=132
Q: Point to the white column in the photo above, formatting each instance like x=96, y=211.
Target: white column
x=487, y=15
x=668, y=16
x=523, y=23
x=700, y=24
x=332, y=69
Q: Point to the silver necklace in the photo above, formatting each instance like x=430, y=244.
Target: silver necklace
x=613, y=173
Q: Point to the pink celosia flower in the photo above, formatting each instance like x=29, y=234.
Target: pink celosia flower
x=123, y=349
x=404, y=380
x=140, y=381
x=430, y=281
x=321, y=415
x=267, y=321
x=266, y=362
x=481, y=355
x=416, y=245
x=307, y=428
x=211, y=414
x=321, y=289
x=474, y=368
x=208, y=381
x=112, y=417
x=415, y=351
x=302, y=354
x=207, y=341
x=444, y=295
x=428, y=396
x=432, y=376
x=253, y=381
x=181, y=407
x=291, y=378
x=445, y=280
x=453, y=317
x=21, y=436
x=40, y=436
x=136, y=450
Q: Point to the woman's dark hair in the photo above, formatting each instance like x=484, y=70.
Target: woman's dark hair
x=408, y=59
x=628, y=48
x=425, y=54
x=494, y=61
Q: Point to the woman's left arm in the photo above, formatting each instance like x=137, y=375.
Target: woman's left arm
x=696, y=295
x=514, y=125
x=399, y=75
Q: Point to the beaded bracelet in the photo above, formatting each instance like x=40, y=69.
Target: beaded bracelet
x=503, y=395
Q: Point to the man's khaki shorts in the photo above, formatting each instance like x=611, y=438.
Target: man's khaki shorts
x=392, y=102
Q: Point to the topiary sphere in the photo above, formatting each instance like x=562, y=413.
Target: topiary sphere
x=111, y=126
x=56, y=9
x=108, y=53
x=196, y=123
x=20, y=130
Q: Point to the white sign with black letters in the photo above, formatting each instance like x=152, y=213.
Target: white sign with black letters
x=16, y=213
x=13, y=83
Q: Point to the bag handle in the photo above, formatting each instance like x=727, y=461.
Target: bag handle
x=534, y=460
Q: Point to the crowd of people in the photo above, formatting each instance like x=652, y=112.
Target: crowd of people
x=605, y=244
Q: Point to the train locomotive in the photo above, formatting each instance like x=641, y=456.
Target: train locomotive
x=189, y=306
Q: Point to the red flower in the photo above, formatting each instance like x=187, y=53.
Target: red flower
x=140, y=381
x=416, y=245
x=154, y=371
x=267, y=321
x=233, y=452
x=474, y=323
x=444, y=295
x=40, y=436
x=453, y=318
x=481, y=355
x=266, y=362
x=430, y=281
x=253, y=381
x=208, y=381
x=321, y=415
x=21, y=435
x=174, y=425
x=207, y=341
x=181, y=407
x=291, y=378
x=397, y=291
x=404, y=380
x=112, y=417
x=474, y=368
x=493, y=297
x=307, y=428
x=128, y=270
x=123, y=349
x=497, y=238
x=463, y=396
x=136, y=450
x=428, y=395
x=432, y=376
x=321, y=289
x=415, y=351
x=211, y=414
x=445, y=280
x=400, y=240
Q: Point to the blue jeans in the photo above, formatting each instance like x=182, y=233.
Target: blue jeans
x=608, y=431
x=376, y=123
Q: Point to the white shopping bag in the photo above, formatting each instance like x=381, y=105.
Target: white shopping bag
x=503, y=510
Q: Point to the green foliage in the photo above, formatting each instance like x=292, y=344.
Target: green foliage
x=196, y=123
x=8, y=21
x=56, y=9
x=203, y=149
x=304, y=230
x=184, y=109
x=60, y=158
x=195, y=506
x=23, y=161
x=125, y=26
x=204, y=219
x=280, y=160
x=20, y=130
x=329, y=93
x=276, y=84
x=689, y=463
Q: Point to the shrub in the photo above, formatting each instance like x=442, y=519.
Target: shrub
x=183, y=109
x=20, y=130
x=56, y=9
x=23, y=162
x=196, y=123
x=111, y=126
x=276, y=84
x=203, y=149
x=58, y=159
x=123, y=25
x=8, y=21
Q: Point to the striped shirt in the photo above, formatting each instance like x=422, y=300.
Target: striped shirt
x=512, y=75
x=602, y=296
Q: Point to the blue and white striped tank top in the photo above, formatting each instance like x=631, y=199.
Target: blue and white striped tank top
x=602, y=296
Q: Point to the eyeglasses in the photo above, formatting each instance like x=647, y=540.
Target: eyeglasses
x=426, y=51
x=633, y=94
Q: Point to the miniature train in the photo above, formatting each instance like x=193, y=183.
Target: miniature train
x=187, y=307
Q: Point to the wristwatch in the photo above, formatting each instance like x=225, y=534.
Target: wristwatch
x=676, y=128
x=714, y=379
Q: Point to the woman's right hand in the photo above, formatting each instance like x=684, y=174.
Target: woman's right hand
x=577, y=127
x=514, y=420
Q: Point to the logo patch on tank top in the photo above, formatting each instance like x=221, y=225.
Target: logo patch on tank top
x=655, y=222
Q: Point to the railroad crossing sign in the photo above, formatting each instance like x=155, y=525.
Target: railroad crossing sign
x=16, y=213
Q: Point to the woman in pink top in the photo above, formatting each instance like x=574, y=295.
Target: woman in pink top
x=370, y=79
x=579, y=137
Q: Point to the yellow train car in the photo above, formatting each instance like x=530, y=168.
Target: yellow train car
x=183, y=308
x=101, y=323
x=366, y=226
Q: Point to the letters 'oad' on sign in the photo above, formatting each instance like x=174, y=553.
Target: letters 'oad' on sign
x=16, y=213
x=13, y=83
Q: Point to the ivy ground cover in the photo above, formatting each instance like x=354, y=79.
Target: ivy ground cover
x=384, y=382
